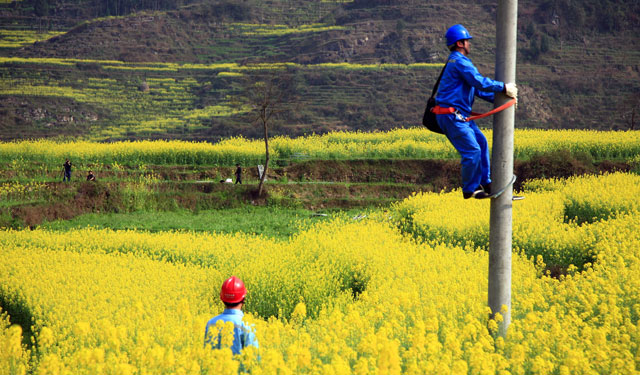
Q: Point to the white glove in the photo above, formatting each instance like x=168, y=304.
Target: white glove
x=511, y=90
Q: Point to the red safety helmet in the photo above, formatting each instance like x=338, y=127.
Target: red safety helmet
x=233, y=290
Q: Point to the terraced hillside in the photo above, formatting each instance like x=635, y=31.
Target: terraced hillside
x=359, y=65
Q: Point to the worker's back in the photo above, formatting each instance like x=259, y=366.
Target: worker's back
x=243, y=335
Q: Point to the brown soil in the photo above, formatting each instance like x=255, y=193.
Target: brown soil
x=437, y=175
x=89, y=198
x=433, y=172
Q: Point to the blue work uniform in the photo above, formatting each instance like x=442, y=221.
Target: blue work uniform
x=460, y=84
x=243, y=335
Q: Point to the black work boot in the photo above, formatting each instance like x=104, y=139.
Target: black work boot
x=478, y=194
x=486, y=188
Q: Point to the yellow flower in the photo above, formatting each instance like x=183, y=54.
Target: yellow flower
x=105, y=301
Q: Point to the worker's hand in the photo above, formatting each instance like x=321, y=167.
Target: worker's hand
x=511, y=90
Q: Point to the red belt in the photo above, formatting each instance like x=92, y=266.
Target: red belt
x=474, y=115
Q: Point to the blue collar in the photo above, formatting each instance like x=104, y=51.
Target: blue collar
x=233, y=312
x=457, y=55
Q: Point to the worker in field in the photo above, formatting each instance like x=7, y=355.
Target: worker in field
x=66, y=170
x=232, y=295
x=460, y=84
x=91, y=176
x=238, y=174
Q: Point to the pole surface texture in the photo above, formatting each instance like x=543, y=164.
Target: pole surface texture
x=502, y=167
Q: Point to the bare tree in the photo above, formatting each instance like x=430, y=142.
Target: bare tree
x=268, y=97
x=631, y=109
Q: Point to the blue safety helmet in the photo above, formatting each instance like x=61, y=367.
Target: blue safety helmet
x=456, y=33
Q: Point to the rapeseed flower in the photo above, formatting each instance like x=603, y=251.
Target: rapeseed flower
x=106, y=301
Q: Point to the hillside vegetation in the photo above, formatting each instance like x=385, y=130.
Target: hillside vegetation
x=113, y=70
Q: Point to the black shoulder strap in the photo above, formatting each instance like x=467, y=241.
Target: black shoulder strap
x=435, y=87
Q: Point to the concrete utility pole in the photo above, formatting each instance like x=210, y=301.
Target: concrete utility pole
x=502, y=167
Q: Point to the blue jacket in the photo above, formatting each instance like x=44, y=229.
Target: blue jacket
x=243, y=335
x=461, y=82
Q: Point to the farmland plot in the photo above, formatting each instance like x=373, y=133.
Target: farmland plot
x=403, y=291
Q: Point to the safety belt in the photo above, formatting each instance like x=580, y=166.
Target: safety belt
x=474, y=115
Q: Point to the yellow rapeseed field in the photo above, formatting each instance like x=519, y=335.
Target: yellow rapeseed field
x=413, y=143
x=403, y=291
x=221, y=67
x=21, y=38
x=547, y=223
x=17, y=190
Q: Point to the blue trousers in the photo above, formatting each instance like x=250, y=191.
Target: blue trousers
x=473, y=148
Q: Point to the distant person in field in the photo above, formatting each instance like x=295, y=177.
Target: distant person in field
x=91, y=176
x=238, y=174
x=67, y=170
x=232, y=295
x=460, y=83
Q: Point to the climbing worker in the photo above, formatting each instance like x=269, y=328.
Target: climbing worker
x=232, y=295
x=460, y=83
